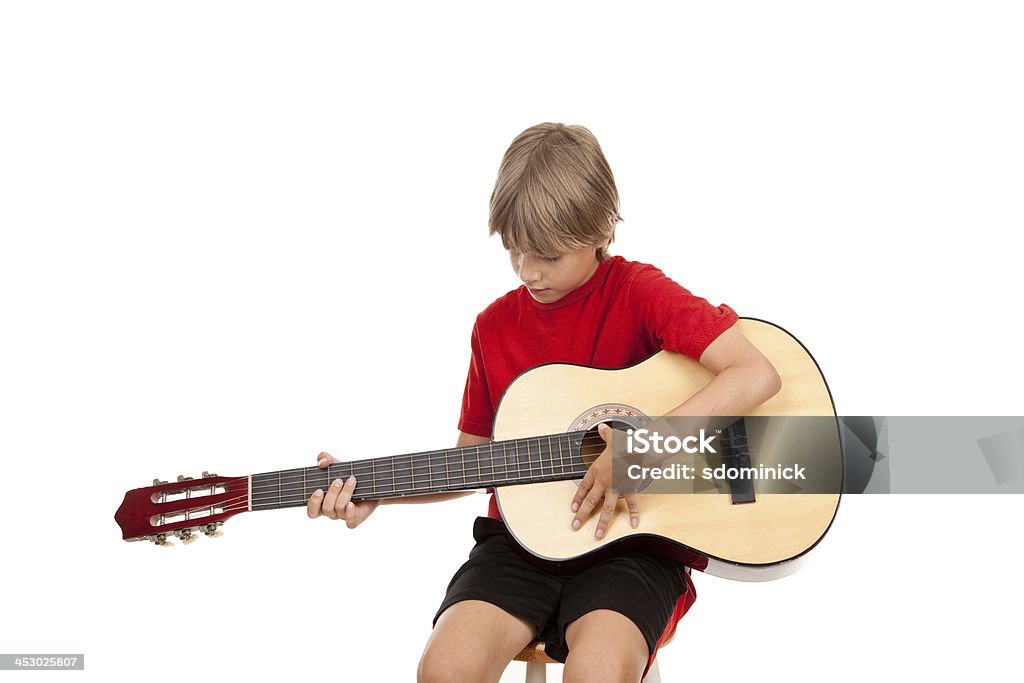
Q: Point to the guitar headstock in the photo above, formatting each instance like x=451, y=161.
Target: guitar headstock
x=182, y=508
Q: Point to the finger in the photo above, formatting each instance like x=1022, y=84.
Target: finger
x=344, y=497
x=633, y=503
x=581, y=491
x=605, y=432
x=330, y=498
x=356, y=513
x=611, y=499
x=591, y=501
x=352, y=516
x=325, y=460
x=313, y=504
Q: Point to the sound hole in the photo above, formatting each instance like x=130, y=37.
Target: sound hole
x=593, y=444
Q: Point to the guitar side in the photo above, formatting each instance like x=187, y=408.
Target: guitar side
x=755, y=541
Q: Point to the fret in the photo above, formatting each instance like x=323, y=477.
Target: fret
x=438, y=470
x=320, y=478
x=545, y=463
x=498, y=473
x=373, y=479
x=471, y=464
x=420, y=473
x=385, y=477
x=266, y=490
x=534, y=464
x=555, y=456
x=292, y=487
x=453, y=463
x=547, y=468
x=569, y=446
x=403, y=474
x=511, y=464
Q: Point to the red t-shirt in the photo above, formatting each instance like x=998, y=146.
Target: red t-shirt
x=623, y=314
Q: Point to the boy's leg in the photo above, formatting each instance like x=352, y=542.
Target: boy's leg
x=612, y=615
x=473, y=640
x=604, y=646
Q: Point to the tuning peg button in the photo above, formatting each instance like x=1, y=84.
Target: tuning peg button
x=157, y=482
x=182, y=477
x=207, y=475
x=161, y=540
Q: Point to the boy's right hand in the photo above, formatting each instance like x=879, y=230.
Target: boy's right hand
x=337, y=502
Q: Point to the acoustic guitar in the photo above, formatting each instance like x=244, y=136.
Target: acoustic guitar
x=544, y=439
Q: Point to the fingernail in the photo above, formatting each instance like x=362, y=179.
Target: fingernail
x=600, y=533
x=351, y=480
x=336, y=483
x=575, y=507
x=350, y=508
x=318, y=492
x=575, y=524
x=634, y=522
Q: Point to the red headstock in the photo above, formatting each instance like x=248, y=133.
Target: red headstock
x=181, y=508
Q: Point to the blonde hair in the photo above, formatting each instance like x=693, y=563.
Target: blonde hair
x=555, y=193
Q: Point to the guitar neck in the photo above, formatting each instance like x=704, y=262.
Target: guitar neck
x=554, y=457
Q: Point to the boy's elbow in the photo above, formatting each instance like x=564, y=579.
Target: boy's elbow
x=771, y=379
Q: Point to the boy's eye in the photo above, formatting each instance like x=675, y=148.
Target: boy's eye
x=549, y=259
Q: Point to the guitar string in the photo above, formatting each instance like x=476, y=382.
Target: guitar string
x=287, y=490
x=292, y=495
x=296, y=488
x=367, y=469
x=286, y=485
x=412, y=465
x=443, y=457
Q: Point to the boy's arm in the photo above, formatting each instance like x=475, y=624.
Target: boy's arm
x=337, y=502
x=744, y=379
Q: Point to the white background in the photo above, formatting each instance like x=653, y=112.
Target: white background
x=237, y=234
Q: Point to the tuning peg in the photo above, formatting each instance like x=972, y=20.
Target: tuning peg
x=182, y=477
x=207, y=475
x=157, y=482
x=185, y=535
x=212, y=531
x=161, y=540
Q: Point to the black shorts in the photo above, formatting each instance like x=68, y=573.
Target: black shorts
x=644, y=588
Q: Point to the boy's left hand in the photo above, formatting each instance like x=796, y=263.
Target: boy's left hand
x=596, y=488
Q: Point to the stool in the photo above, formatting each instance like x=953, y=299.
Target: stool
x=535, y=658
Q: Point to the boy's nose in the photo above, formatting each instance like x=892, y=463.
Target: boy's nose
x=528, y=271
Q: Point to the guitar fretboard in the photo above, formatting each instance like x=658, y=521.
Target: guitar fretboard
x=554, y=457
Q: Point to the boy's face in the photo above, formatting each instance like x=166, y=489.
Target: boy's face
x=548, y=278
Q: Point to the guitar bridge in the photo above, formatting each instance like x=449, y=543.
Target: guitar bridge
x=737, y=454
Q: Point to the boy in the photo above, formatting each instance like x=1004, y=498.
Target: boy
x=555, y=206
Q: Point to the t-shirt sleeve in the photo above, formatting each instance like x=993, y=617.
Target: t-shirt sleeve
x=675, y=319
x=477, y=415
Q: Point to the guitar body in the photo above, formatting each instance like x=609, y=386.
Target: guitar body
x=754, y=541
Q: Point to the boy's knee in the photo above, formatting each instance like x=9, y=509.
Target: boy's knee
x=600, y=660
x=601, y=671
x=440, y=666
x=607, y=670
